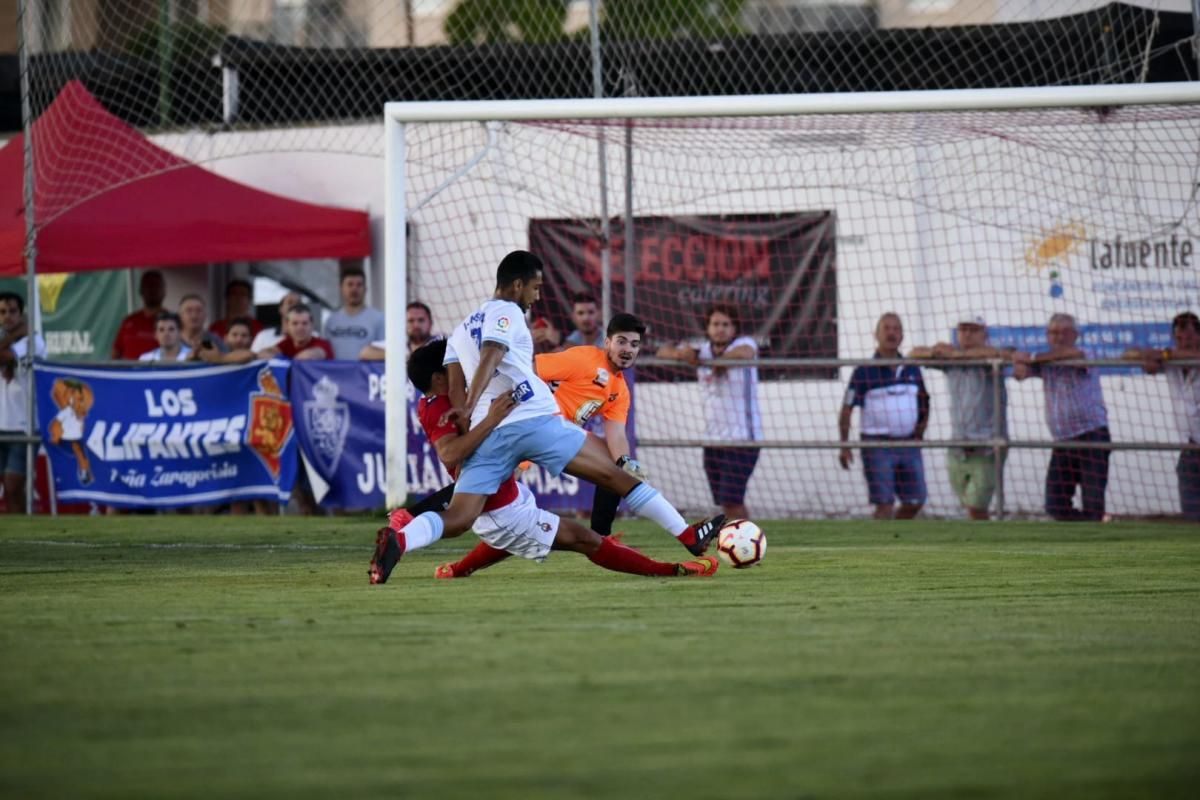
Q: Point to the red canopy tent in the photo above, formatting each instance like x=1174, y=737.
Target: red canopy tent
x=107, y=197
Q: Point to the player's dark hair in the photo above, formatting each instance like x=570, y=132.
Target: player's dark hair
x=351, y=272
x=245, y=322
x=168, y=316
x=13, y=297
x=730, y=311
x=583, y=297
x=236, y=282
x=420, y=305
x=425, y=362
x=625, y=323
x=1186, y=320
x=519, y=265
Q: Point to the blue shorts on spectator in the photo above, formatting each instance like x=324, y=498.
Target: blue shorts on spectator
x=728, y=470
x=894, y=473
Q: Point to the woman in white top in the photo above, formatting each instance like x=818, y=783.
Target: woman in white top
x=731, y=411
x=166, y=333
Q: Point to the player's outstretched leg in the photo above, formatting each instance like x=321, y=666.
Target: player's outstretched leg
x=606, y=552
x=391, y=545
x=592, y=463
x=438, y=501
x=481, y=557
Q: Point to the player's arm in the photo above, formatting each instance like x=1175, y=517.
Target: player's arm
x=458, y=385
x=616, y=438
x=490, y=356
x=454, y=448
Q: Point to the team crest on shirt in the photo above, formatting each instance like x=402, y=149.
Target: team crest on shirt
x=502, y=324
x=602, y=377
x=328, y=423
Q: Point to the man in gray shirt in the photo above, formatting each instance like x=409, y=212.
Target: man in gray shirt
x=973, y=413
x=354, y=325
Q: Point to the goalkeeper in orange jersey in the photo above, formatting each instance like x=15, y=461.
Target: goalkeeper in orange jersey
x=587, y=381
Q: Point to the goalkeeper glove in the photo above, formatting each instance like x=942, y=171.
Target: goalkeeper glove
x=633, y=468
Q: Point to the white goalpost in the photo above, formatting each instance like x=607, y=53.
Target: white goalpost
x=1001, y=201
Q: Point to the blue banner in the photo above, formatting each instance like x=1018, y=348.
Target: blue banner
x=163, y=438
x=340, y=423
x=1103, y=341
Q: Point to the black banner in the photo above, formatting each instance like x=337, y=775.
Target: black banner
x=778, y=271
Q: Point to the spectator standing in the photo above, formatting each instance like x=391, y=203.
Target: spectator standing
x=585, y=315
x=193, y=313
x=300, y=344
x=239, y=304
x=269, y=337
x=170, y=345
x=1184, y=385
x=730, y=397
x=15, y=386
x=973, y=413
x=418, y=327
x=1075, y=412
x=354, y=325
x=895, y=406
x=237, y=343
x=137, y=332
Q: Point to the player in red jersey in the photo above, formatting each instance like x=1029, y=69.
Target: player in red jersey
x=511, y=521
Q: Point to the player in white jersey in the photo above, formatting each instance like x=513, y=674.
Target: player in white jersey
x=490, y=353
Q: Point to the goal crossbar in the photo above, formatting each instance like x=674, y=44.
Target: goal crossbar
x=1182, y=92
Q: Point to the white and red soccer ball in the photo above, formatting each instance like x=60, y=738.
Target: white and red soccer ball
x=741, y=543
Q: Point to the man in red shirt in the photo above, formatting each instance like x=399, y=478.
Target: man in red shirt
x=239, y=304
x=511, y=522
x=136, y=334
x=299, y=344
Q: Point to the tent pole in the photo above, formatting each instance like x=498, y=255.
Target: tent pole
x=33, y=324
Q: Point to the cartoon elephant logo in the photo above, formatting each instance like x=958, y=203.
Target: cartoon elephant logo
x=74, y=399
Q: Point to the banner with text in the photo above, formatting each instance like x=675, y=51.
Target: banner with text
x=167, y=437
x=340, y=422
x=777, y=270
x=81, y=311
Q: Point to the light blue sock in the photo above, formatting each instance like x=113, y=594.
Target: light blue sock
x=645, y=501
x=423, y=531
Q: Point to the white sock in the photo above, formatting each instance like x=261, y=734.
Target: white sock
x=423, y=531
x=646, y=501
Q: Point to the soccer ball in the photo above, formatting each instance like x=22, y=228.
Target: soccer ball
x=741, y=543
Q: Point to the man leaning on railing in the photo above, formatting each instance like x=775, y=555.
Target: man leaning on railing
x=1184, y=384
x=1075, y=412
x=14, y=392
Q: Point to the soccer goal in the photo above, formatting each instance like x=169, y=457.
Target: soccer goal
x=812, y=216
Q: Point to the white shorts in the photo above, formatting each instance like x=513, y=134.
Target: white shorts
x=520, y=527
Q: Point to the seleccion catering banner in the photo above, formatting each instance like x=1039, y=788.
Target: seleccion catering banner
x=778, y=270
x=163, y=438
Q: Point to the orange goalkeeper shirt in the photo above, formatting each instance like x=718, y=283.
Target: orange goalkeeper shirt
x=584, y=384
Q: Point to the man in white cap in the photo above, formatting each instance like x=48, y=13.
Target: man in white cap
x=973, y=412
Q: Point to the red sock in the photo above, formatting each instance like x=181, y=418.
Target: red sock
x=622, y=558
x=688, y=537
x=483, y=556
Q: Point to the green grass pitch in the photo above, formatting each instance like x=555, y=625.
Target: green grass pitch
x=216, y=657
